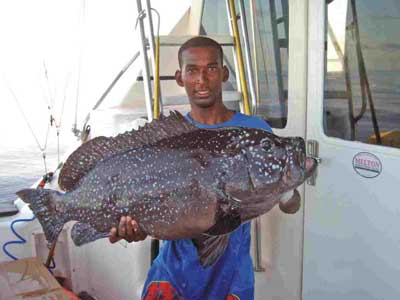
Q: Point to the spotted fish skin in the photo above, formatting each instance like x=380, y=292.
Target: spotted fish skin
x=182, y=186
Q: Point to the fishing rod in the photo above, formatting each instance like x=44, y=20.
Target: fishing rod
x=75, y=129
x=58, y=124
x=50, y=103
x=42, y=149
x=55, y=120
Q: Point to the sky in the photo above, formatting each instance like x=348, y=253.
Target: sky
x=45, y=46
x=49, y=48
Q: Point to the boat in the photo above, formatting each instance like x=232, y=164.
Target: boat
x=327, y=71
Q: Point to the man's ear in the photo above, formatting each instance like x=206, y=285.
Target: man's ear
x=178, y=77
x=225, y=74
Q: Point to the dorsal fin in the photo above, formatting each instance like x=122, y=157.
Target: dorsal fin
x=90, y=153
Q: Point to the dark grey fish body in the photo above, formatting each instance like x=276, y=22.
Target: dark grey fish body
x=181, y=186
x=159, y=188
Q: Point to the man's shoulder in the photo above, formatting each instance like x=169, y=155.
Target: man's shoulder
x=252, y=121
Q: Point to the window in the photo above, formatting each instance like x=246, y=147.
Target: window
x=362, y=80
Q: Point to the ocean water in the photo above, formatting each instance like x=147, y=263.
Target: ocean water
x=21, y=165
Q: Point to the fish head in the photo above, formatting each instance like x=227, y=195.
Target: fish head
x=298, y=166
x=278, y=164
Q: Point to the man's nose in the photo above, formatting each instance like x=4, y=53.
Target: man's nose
x=203, y=77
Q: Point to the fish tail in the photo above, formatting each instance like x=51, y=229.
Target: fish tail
x=48, y=207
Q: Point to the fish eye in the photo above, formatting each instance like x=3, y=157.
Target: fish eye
x=266, y=145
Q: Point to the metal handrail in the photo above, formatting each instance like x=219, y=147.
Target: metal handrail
x=146, y=71
x=155, y=55
x=254, y=31
x=238, y=48
x=250, y=73
x=157, y=92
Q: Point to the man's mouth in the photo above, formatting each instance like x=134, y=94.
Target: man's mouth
x=203, y=93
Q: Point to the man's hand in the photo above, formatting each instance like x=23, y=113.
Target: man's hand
x=128, y=229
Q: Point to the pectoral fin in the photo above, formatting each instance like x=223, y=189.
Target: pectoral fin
x=210, y=248
x=227, y=217
x=227, y=220
x=82, y=233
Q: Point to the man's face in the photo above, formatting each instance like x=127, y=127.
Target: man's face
x=202, y=75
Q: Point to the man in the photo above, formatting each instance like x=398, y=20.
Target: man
x=177, y=273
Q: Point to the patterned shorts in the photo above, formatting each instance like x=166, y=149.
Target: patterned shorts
x=163, y=290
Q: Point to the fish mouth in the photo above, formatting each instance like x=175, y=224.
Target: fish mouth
x=287, y=196
x=293, y=179
x=289, y=202
x=310, y=166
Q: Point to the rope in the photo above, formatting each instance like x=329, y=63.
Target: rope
x=42, y=149
x=20, y=240
x=58, y=124
x=51, y=98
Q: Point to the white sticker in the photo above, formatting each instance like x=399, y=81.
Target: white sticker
x=367, y=165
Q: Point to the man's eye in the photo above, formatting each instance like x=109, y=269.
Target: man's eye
x=212, y=69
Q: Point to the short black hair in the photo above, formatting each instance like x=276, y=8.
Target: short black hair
x=198, y=42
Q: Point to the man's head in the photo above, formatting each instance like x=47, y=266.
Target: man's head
x=201, y=71
x=199, y=42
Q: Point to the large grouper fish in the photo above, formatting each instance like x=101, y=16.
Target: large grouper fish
x=176, y=180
